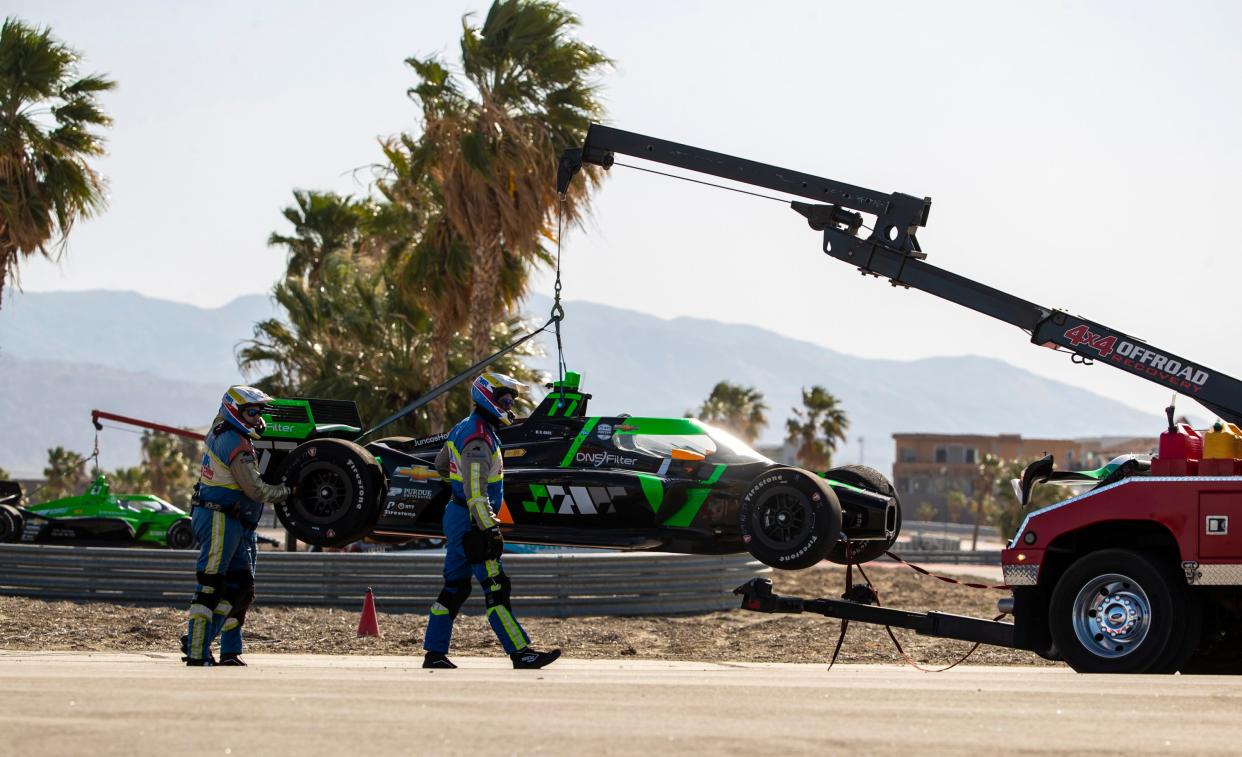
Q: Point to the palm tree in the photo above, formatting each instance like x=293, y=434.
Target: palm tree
x=65, y=474
x=171, y=466
x=130, y=481
x=430, y=261
x=46, y=114
x=955, y=506
x=326, y=225
x=492, y=151
x=356, y=338
x=817, y=428
x=740, y=409
x=989, y=474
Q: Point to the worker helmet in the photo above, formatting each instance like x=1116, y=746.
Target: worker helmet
x=494, y=393
x=242, y=408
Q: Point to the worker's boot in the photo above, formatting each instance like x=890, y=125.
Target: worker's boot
x=185, y=654
x=231, y=659
x=531, y=659
x=438, y=660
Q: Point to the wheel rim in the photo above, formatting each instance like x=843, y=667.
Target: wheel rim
x=180, y=536
x=324, y=494
x=782, y=518
x=1112, y=616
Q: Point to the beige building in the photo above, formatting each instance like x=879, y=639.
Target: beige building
x=928, y=466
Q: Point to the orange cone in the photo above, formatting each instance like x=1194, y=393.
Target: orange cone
x=368, y=624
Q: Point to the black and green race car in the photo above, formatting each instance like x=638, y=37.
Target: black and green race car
x=96, y=518
x=623, y=482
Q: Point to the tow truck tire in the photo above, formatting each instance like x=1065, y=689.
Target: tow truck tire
x=1118, y=611
x=11, y=522
x=337, y=492
x=872, y=480
x=790, y=518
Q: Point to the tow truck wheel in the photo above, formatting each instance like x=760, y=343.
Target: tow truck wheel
x=337, y=492
x=180, y=535
x=11, y=522
x=790, y=519
x=872, y=480
x=1117, y=611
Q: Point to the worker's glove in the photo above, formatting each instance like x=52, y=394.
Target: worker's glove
x=482, y=544
x=285, y=493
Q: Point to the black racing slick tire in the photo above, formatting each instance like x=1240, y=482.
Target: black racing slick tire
x=11, y=523
x=180, y=535
x=872, y=480
x=1118, y=611
x=790, y=518
x=337, y=492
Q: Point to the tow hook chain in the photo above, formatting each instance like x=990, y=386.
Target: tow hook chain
x=866, y=594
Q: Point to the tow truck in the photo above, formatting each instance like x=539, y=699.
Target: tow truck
x=1142, y=573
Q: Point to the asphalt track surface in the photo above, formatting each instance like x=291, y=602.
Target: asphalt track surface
x=100, y=703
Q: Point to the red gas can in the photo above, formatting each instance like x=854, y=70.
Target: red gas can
x=1181, y=443
x=1181, y=448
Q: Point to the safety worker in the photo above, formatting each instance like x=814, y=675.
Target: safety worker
x=228, y=503
x=471, y=461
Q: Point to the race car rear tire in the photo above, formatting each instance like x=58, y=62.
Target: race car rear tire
x=790, y=518
x=872, y=480
x=11, y=523
x=337, y=492
x=180, y=535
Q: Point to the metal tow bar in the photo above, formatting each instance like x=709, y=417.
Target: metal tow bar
x=757, y=596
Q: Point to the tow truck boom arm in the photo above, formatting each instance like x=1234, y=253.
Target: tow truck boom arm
x=892, y=251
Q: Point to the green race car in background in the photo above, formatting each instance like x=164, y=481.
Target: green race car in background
x=97, y=518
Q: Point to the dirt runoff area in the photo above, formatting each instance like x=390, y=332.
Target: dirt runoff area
x=733, y=635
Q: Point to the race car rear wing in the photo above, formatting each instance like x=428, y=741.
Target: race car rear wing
x=10, y=493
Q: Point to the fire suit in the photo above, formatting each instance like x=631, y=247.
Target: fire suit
x=472, y=462
x=228, y=504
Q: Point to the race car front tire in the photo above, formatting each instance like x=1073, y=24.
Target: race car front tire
x=337, y=492
x=870, y=479
x=11, y=523
x=790, y=519
x=180, y=535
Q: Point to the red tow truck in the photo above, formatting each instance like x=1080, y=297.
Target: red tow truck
x=1142, y=572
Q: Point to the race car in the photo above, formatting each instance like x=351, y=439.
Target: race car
x=624, y=482
x=95, y=518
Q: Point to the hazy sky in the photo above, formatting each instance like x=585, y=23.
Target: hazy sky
x=1083, y=155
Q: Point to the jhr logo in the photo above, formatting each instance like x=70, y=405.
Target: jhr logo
x=1218, y=525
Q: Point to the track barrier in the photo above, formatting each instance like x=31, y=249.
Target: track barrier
x=561, y=584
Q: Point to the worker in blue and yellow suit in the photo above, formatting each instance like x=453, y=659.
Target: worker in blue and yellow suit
x=228, y=503
x=471, y=461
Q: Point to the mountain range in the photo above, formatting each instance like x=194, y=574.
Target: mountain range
x=64, y=353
